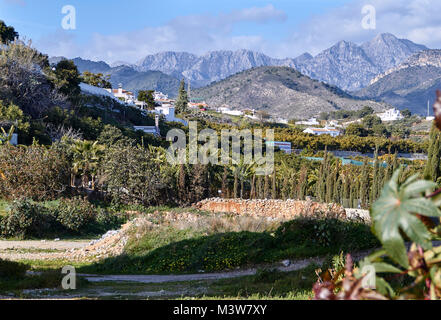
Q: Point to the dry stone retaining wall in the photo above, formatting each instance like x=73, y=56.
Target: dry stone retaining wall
x=277, y=209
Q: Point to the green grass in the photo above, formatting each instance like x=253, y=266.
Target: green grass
x=267, y=285
x=166, y=250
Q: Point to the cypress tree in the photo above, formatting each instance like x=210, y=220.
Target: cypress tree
x=433, y=170
x=375, y=177
x=181, y=104
x=303, y=183
x=225, y=182
x=274, y=186
x=253, y=188
x=182, y=185
x=266, y=187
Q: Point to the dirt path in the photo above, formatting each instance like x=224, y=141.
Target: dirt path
x=294, y=266
x=38, y=250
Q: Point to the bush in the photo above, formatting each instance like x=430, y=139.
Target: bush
x=28, y=219
x=75, y=214
x=20, y=221
x=326, y=232
x=10, y=269
x=33, y=172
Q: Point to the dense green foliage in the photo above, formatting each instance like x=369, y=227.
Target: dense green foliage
x=7, y=33
x=27, y=219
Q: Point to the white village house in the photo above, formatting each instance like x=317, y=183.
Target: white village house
x=226, y=110
x=120, y=93
x=320, y=131
x=390, y=115
x=310, y=122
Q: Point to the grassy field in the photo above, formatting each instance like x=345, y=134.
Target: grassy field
x=219, y=244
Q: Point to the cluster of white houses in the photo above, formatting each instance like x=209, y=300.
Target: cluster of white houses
x=165, y=106
x=331, y=127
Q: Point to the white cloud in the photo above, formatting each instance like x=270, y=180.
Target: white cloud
x=416, y=20
x=196, y=34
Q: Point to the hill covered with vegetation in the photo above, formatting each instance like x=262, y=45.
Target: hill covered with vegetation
x=280, y=91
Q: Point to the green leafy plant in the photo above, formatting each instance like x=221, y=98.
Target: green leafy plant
x=398, y=215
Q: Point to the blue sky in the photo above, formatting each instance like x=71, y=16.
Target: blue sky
x=115, y=30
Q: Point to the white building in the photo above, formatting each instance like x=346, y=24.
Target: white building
x=310, y=122
x=320, y=131
x=168, y=111
x=226, y=110
x=391, y=115
x=125, y=95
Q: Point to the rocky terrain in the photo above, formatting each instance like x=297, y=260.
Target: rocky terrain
x=280, y=91
x=346, y=65
x=130, y=78
x=410, y=84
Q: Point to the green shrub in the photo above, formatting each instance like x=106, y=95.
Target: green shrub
x=326, y=232
x=10, y=269
x=75, y=214
x=106, y=219
x=21, y=220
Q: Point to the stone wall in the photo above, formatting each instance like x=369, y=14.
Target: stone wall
x=277, y=209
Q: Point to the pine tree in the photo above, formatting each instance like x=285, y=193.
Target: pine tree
x=181, y=104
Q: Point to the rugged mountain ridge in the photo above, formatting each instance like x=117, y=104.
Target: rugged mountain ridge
x=130, y=78
x=280, y=91
x=346, y=65
x=409, y=85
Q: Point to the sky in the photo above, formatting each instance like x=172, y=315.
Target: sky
x=116, y=30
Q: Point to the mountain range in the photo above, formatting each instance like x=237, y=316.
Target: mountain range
x=280, y=91
x=127, y=76
x=363, y=70
x=410, y=84
x=346, y=65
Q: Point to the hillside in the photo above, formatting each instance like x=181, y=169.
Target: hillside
x=280, y=91
x=409, y=85
x=130, y=79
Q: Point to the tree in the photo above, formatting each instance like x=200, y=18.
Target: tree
x=27, y=81
x=371, y=120
x=433, y=170
x=406, y=113
x=131, y=174
x=96, y=79
x=7, y=33
x=380, y=130
x=86, y=160
x=356, y=129
x=67, y=78
x=365, y=112
x=147, y=97
x=182, y=100
x=262, y=115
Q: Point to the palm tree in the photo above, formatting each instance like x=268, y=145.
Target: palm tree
x=5, y=137
x=242, y=173
x=86, y=160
